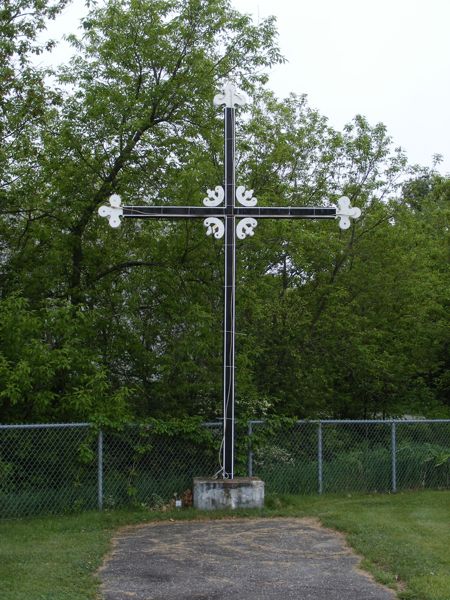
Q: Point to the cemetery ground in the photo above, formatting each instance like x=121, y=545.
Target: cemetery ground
x=403, y=540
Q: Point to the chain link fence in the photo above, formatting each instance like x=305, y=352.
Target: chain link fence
x=72, y=467
x=352, y=456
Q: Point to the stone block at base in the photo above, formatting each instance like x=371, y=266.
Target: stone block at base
x=240, y=492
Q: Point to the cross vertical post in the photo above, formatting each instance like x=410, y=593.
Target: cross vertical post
x=229, y=323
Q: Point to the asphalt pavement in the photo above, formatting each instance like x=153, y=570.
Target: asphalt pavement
x=230, y=559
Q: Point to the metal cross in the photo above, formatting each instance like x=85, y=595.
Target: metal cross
x=229, y=212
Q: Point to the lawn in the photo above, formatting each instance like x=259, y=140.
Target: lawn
x=404, y=540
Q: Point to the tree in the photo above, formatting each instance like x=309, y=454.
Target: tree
x=135, y=101
x=119, y=324
x=333, y=333
x=24, y=97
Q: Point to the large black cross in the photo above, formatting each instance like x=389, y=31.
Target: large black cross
x=229, y=211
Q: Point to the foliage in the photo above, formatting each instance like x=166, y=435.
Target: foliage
x=110, y=325
x=333, y=333
x=46, y=371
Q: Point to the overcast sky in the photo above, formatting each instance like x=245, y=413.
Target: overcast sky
x=386, y=59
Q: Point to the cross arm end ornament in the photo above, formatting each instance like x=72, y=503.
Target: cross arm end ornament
x=112, y=212
x=346, y=212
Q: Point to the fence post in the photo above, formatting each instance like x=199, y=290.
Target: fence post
x=250, y=451
x=394, y=456
x=320, y=457
x=100, y=470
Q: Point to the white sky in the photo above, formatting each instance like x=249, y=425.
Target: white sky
x=388, y=60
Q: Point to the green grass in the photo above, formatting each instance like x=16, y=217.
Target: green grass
x=404, y=540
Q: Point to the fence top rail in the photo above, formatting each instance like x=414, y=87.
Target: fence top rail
x=251, y=422
x=71, y=425
x=361, y=421
x=46, y=426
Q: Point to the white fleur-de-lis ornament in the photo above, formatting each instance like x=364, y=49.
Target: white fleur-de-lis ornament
x=112, y=212
x=230, y=96
x=346, y=212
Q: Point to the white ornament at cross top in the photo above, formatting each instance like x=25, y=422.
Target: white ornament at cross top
x=113, y=212
x=345, y=212
x=230, y=96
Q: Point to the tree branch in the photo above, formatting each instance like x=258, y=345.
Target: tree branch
x=127, y=265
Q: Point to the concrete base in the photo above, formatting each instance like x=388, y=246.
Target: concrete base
x=240, y=492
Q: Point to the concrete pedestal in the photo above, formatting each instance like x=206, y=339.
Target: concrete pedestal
x=240, y=492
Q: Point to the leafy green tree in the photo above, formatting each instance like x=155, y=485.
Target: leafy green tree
x=336, y=310
x=46, y=372
x=24, y=99
x=119, y=324
x=132, y=113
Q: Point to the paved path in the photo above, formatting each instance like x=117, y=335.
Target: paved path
x=245, y=559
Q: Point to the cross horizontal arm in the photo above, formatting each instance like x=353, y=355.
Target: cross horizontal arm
x=172, y=212
x=286, y=212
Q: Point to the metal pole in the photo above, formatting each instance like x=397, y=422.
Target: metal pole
x=229, y=298
x=100, y=470
x=320, y=457
x=394, y=456
x=250, y=451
